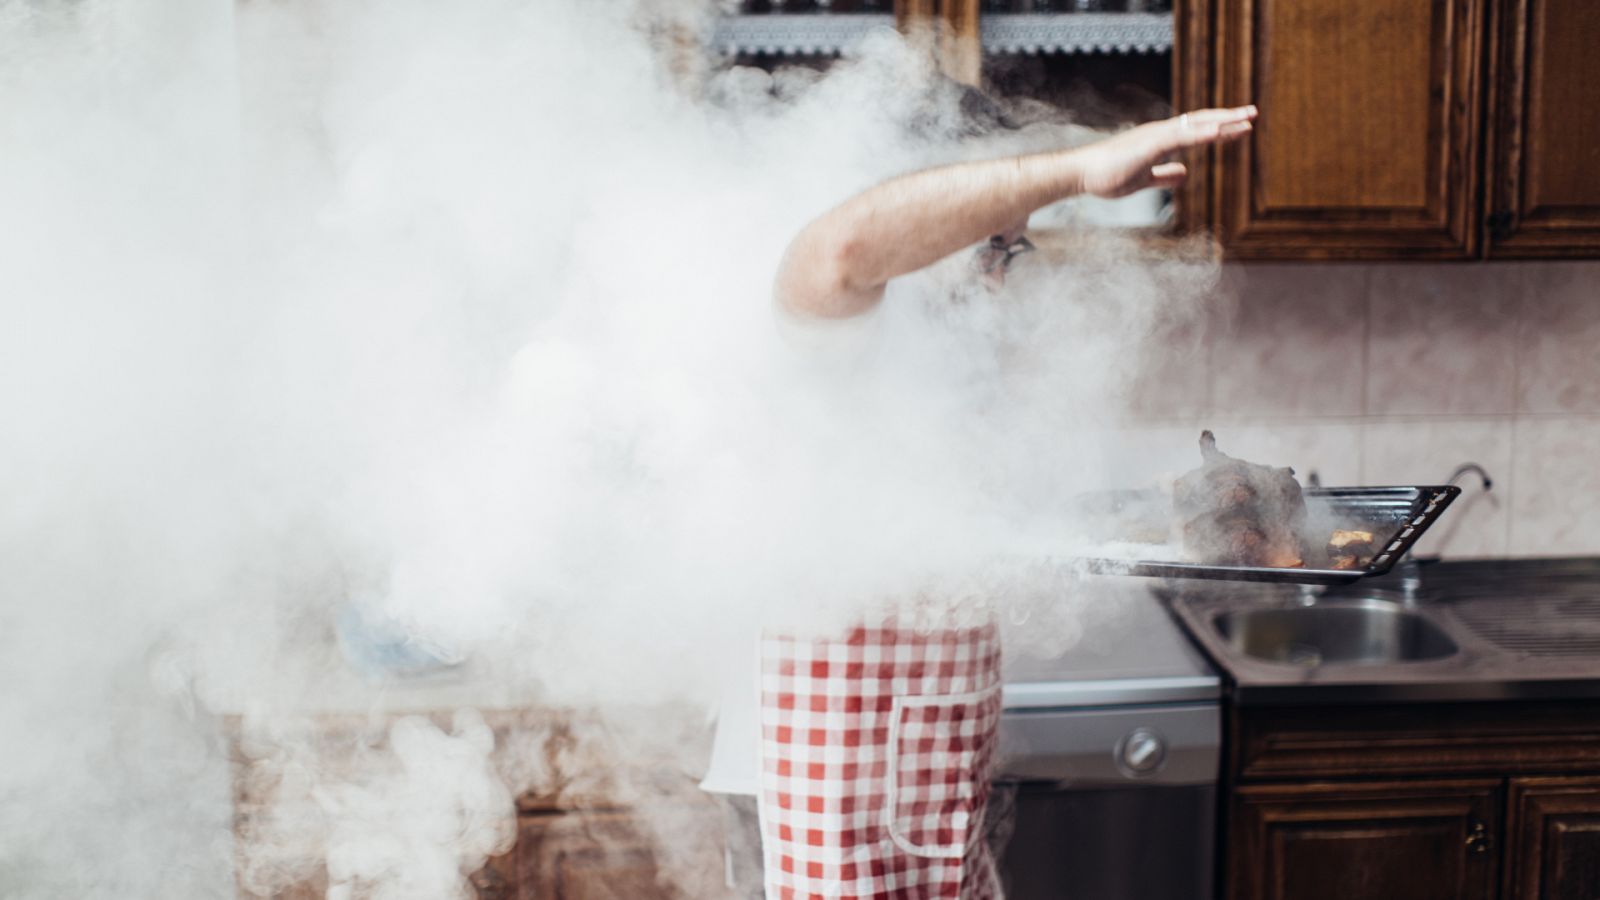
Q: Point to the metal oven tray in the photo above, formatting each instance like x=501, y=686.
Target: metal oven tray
x=1396, y=516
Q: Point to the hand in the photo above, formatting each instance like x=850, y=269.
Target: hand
x=1141, y=157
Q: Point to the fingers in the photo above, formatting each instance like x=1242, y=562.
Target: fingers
x=1219, y=116
x=1206, y=126
x=1168, y=175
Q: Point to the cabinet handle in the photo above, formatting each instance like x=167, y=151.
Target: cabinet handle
x=1478, y=838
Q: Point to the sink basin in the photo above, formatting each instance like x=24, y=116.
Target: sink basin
x=1349, y=633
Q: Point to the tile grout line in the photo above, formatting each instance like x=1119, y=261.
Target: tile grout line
x=1366, y=375
x=1519, y=323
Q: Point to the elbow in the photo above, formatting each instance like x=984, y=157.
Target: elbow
x=825, y=279
x=847, y=264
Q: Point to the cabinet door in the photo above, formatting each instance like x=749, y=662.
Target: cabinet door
x=1545, y=143
x=1365, y=841
x=1368, y=142
x=1554, y=832
x=611, y=856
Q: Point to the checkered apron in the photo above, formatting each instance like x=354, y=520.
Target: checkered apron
x=875, y=758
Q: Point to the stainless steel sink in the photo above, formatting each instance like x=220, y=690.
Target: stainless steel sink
x=1342, y=633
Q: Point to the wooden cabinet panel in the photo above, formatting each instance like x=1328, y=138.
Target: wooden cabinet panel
x=1554, y=833
x=1545, y=145
x=1365, y=841
x=610, y=856
x=1368, y=141
x=1414, y=740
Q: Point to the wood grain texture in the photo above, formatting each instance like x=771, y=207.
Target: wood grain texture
x=961, y=49
x=1414, y=740
x=1367, y=840
x=1193, y=25
x=612, y=856
x=1368, y=142
x=1544, y=151
x=914, y=12
x=1553, y=839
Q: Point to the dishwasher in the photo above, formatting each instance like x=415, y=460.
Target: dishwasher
x=1109, y=756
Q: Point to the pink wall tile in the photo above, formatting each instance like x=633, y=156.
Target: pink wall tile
x=1442, y=338
x=1558, y=344
x=1556, y=486
x=1296, y=343
x=1173, y=380
x=1425, y=452
x=1144, y=456
x=1331, y=449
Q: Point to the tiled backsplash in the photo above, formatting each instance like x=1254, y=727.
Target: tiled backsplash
x=1384, y=374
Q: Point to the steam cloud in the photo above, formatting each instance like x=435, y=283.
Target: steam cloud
x=458, y=314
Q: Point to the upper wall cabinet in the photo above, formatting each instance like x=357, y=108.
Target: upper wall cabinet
x=1368, y=141
x=1544, y=142
x=1399, y=129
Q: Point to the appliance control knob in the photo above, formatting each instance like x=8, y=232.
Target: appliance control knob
x=1141, y=752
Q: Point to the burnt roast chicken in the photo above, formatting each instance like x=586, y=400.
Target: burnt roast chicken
x=1238, y=513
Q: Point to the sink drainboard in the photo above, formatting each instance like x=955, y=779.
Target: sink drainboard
x=1535, y=626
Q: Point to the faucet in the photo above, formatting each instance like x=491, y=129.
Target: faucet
x=1410, y=567
x=1464, y=468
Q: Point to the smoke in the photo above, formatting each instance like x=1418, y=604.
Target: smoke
x=457, y=316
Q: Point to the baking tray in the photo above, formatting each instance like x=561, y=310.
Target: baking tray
x=1396, y=516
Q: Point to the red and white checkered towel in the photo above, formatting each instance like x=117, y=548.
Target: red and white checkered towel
x=875, y=760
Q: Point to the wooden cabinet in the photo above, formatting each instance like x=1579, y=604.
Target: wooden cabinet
x=1553, y=831
x=1468, y=800
x=1398, y=129
x=1368, y=139
x=1544, y=143
x=608, y=856
x=605, y=811
x=1418, y=840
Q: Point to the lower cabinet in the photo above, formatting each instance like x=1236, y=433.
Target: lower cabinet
x=1378, y=840
x=605, y=813
x=1490, y=801
x=1553, y=838
x=601, y=856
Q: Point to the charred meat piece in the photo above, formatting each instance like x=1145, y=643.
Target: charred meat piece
x=1238, y=513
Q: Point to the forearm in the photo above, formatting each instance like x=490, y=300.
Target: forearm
x=838, y=265
x=913, y=221
x=910, y=222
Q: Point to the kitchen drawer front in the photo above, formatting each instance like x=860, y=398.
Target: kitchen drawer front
x=1415, y=739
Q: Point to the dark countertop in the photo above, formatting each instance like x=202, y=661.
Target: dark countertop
x=1523, y=629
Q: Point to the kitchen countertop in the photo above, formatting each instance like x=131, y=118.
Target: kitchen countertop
x=1524, y=629
x=1125, y=650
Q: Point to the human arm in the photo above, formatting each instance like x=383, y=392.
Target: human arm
x=839, y=264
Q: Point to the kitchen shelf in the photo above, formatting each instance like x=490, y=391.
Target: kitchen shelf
x=1106, y=32
x=795, y=34
x=828, y=34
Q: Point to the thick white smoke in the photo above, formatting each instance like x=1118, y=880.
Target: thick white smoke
x=457, y=315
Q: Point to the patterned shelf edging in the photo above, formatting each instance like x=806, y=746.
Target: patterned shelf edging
x=1031, y=33
x=1086, y=32
x=792, y=34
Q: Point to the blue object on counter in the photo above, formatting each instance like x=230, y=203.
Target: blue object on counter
x=380, y=647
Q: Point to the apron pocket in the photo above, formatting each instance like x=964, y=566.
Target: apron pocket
x=940, y=747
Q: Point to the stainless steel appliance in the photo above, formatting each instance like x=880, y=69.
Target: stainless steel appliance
x=1110, y=754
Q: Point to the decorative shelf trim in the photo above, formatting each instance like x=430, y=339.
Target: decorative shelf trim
x=793, y=34
x=1083, y=32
